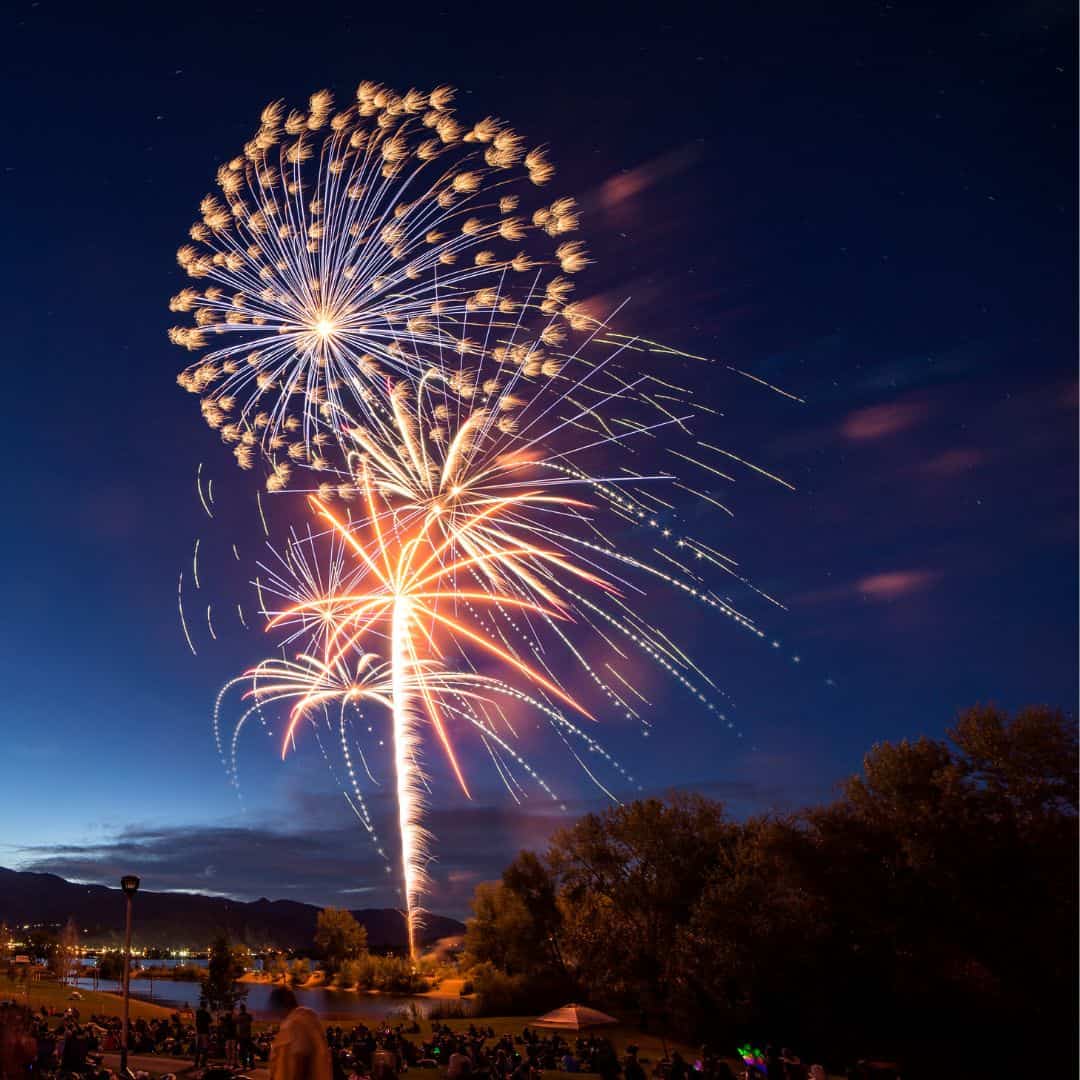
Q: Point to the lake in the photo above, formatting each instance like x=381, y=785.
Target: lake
x=325, y=1003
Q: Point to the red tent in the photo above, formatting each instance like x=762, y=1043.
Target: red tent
x=574, y=1018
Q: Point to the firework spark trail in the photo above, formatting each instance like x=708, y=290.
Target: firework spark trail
x=180, y=608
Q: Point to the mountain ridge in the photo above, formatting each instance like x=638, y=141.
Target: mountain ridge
x=189, y=920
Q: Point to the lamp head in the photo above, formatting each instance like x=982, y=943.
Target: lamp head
x=129, y=885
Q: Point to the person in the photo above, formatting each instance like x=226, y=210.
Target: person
x=243, y=1035
x=459, y=1064
x=202, y=1036
x=299, y=1050
x=794, y=1069
x=17, y=1044
x=604, y=1061
x=228, y=1036
x=73, y=1056
x=632, y=1069
x=384, y=1065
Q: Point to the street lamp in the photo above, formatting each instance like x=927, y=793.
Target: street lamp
x=129, y=885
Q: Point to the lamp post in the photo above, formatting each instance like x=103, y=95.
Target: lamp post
x=129, y=885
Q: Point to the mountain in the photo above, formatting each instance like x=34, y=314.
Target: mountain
x=179, y=920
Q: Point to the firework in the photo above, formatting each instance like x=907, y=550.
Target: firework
x=383, y=321
x=466, y=550
x=384, y=238
x=313, y=687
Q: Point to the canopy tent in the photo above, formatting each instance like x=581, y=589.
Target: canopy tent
x=574, y=1018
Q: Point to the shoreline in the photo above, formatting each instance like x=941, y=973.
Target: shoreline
x=437, y=993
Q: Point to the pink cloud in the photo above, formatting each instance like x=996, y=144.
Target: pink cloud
x=626, y=185
x=462, y=877
x=953, y=462
x=895, y=583
x=879, y=421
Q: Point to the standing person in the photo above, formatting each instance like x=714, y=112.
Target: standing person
x=243, y=1035
x=632, y=1069
x=299, y=1050
x=605, y=1062
x=228, y=1036
x=202, y=1036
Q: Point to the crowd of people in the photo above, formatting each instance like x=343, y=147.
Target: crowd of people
x=478, y=1053
x=296, y=1046
x=45, y=1042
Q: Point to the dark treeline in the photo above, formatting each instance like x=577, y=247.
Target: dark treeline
x=928, y=915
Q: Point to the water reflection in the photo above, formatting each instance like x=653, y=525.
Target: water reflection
x=174, y=994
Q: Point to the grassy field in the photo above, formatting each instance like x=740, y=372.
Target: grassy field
x=58, y=997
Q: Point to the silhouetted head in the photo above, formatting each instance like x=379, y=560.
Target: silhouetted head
x=282, y=1002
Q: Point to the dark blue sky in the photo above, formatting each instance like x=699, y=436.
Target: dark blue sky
x=872, y=204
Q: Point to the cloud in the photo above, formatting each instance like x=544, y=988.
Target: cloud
x=954, y=462
x=245, y=863
x=317, y=865
x=331, y=860
x=629, y=183
x=881, y=421
x=891, y=584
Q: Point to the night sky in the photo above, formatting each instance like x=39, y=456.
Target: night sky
x=870, y=204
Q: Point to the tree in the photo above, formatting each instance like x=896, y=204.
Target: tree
x=5, y=946
x=935, y=899
x=41, y=944
x=65, y=957
x=110, y=965
x=514, y=939
x=242, y=957
x=1024, y=766
x=949, y=873
x=537, y=945
x=220, y=989
x=752, y=934
x=629, y=879
x=278, y=966
x=339, y=937
x=299, y=971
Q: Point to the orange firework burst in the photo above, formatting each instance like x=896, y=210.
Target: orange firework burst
x=468, y=549
x=409, y=599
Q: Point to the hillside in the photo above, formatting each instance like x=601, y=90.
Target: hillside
x=187, y=919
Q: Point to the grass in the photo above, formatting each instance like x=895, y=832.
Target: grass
x=58, y=997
